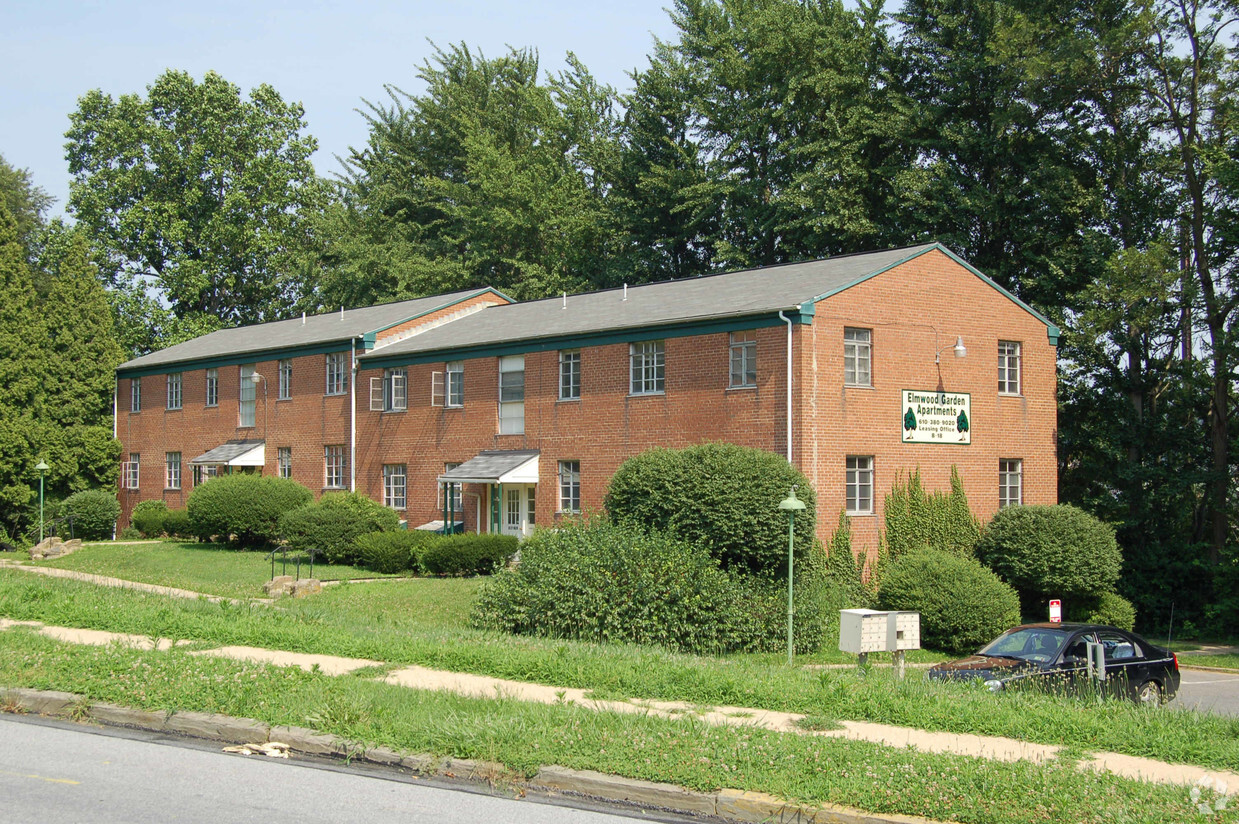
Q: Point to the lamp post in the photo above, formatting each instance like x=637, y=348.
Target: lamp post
x=42, y=467
x=791, y=503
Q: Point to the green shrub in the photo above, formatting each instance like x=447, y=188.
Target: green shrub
x=916, y=518
x=721, y=496
x=333, y=524
x=130, y=534
x=608, y=583
x=467, y=554
x=391, y=552
x=94, y=513
x=148, y=518
x=962, y=604
x=243, y=510
x=1109, y=608
x=1051, y=552
x=176, y=523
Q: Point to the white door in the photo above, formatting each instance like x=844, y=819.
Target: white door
x=517, y=509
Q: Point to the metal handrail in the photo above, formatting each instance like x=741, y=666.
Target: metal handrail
x=283, y=551
x=50, y=527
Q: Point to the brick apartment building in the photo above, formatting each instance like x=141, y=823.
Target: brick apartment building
x=474, y=409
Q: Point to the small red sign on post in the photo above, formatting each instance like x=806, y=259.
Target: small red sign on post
x=1056, y=611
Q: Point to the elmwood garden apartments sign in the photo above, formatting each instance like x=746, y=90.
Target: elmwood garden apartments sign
x=937, y=417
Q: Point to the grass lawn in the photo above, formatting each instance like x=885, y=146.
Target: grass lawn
x=803, y=768
x=1222, y=661
x=209, y=568
x=422, y=622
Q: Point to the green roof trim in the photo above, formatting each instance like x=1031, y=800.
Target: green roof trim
x=1052, y=331
x=601, y=338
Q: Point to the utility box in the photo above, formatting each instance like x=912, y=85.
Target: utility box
x=869, y=630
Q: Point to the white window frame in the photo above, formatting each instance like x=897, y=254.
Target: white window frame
x=857, y=356
x=1010, y=482
x=570, y=487
x=174, y=391
x=1009, y=363
x=454, y=384
x=135, y=394
x=131, y=471
x=512, y=395
x=334, y=466
x=172, y=470
x=458, y=499
x=212, y=387
x=284, y=461
x=858, y=485
x=286, y=379
x=742, y=360
x=647, y=368
x=390, y=393
x=570, y=374
x=395, y=486
x=336, y=374
x=247, y=397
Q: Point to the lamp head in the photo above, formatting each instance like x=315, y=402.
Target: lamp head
x=791, y=502
x=41, y=466
x=255, y=377
x=960, y=349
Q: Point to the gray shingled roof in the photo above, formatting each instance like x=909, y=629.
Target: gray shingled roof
x=734, y=294
x=316, y=330
x=488, y=466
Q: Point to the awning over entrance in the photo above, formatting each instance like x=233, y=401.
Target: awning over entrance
x=496, y=466
x=234, y=453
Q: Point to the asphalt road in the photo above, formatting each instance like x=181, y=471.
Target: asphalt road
x=53, y=771
x=1215, y=692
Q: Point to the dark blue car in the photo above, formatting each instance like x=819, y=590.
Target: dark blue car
x=1055, y=656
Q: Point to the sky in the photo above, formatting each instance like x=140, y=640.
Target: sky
x=329, y=56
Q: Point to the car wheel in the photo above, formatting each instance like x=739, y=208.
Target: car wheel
x=1149, y=694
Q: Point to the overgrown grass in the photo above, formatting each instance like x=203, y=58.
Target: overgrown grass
x=208, y=568
x=624, y=671
x=808, y=769
x=1222, y=661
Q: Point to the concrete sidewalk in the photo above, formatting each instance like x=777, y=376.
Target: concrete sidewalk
x=480, y=686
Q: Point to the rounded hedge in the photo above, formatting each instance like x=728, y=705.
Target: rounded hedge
x=94, y=513
x=176, y=524
x=391, y=552
x=467, y=554
x=243, y=510
x=606, y=583
x=721, y=496
x=963, y=605
x=1051, y=552
x=333, y=524
x=148, y=518
x=1112, y=609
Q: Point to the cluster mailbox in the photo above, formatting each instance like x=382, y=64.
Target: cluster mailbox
x=863, y=631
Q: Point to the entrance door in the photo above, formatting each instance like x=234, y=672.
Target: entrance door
x=517, y=509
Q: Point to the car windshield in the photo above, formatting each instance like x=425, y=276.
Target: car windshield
x=1029, y=644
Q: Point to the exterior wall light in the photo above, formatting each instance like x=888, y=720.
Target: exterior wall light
x=961, y=351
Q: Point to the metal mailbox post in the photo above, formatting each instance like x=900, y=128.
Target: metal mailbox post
x=863, y=631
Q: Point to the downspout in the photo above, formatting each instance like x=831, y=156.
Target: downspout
x=788, y=321
x=352, y=421
x=116, y=428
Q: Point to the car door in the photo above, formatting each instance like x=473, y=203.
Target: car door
x=1071, y=668
x=1125, y=664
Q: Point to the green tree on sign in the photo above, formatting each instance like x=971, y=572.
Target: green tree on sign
x=909, y=421
x=961, y=425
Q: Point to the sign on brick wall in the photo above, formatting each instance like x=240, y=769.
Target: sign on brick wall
x=937, y=417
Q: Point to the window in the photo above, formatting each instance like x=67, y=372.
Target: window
x=246, y=396
x=457, y=499
x=390, y=393
x=284, y=461
x=135, y=394
x=131, y=476
x=394, y=485
x=337, y=376
x=456, y=383
x=743, y=359
x=212, y=387
x=174, y=390
x=857, y=357
x=1010, y=482
x=859, y=485
x=647, y=367
x=172, y=478
x=286, y=379
x=570, y=375
x=512, y=395
x=569, y=486
x=1008, y=367
x=333, y=476
x=204, y=473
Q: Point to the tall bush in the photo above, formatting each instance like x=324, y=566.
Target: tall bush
x=1051, y=552
x=333, y=524
x=962, y=604
x=721, y=496
x=243, y=510
x=94, y=513
x=917, y=518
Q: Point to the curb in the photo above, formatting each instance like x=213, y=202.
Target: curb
x=727, y=804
